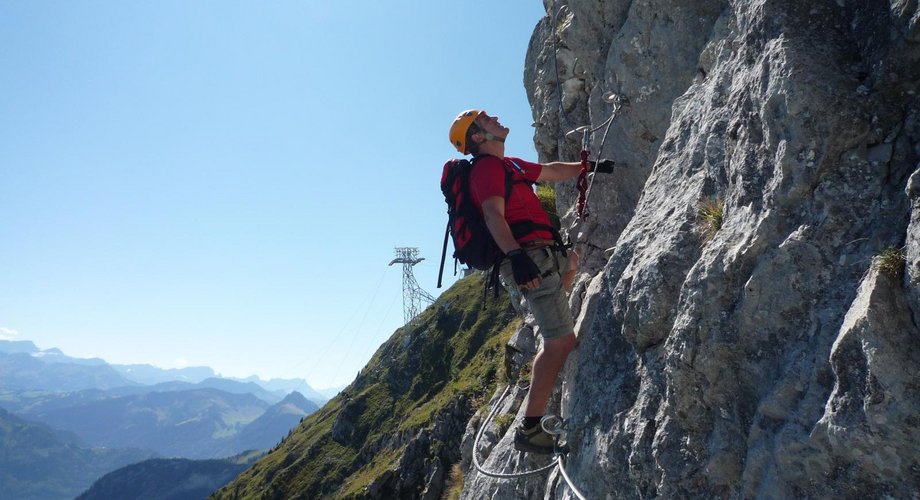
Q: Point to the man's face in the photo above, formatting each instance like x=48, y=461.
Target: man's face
x=491, y=125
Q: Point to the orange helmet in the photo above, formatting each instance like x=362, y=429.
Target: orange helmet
x=460, y=126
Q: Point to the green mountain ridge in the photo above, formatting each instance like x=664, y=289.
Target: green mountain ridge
x=272, y=425
x=168, y=479
x=39, y=463
x=408, y=408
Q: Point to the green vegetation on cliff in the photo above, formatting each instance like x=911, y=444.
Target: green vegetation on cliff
x=405, y=411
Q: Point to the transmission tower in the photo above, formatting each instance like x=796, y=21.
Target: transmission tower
x=413, y=295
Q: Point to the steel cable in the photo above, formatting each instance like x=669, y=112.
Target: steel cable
x=618, y=105
x=558, y=459
x=501, y=475
x=568, y=480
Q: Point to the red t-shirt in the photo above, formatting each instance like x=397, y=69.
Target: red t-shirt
x=487, y=179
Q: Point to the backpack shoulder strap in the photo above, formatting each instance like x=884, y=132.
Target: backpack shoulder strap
x=509, y=177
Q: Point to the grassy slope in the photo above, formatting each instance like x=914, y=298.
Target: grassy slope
x=455, y=348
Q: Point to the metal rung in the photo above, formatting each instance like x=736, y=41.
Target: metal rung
x=553, y=424
x=579, y=130
x=613, y=97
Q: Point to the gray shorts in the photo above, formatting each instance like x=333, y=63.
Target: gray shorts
x=548, y=302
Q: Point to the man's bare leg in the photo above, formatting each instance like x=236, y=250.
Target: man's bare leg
x=546, y=367
x=569, y=279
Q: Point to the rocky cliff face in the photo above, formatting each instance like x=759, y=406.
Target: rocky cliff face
x=770, y=348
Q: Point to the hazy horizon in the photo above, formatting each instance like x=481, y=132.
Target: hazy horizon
x=215, y=372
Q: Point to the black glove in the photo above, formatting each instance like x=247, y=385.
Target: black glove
x=523, y=267
x=602, y=166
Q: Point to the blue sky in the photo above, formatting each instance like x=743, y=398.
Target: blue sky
x=223, y=183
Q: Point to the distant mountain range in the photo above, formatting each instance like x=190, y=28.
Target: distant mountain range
x=150, y=375
x=37, y=462
x=173, y=479
x=221, y=384
x=197, y=423
x=191, y=418
x=28, y=367
x=25, y=371
x=66, y=421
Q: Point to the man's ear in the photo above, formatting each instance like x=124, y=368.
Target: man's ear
x=478, y=137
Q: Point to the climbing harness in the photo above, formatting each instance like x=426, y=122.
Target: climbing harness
x=552, y=424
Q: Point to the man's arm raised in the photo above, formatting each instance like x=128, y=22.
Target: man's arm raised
x=562, y=170
x=559, y=171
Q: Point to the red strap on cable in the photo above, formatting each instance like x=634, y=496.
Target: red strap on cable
x=583, y=184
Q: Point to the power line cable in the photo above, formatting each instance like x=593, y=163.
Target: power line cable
x=321, y=353
x=358, y=328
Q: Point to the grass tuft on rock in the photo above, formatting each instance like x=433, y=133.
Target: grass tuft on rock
x=503, y=422
x=711, y=212
x=890, y=262
x=454, y=486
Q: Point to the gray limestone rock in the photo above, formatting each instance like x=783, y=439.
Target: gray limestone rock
x=872, y=411
x=763, y=356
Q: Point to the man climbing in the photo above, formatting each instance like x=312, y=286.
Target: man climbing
x=535, y=262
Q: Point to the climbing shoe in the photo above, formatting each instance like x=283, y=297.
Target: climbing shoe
x=533, y=440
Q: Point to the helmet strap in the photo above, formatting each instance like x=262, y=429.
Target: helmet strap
x=490, y=137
